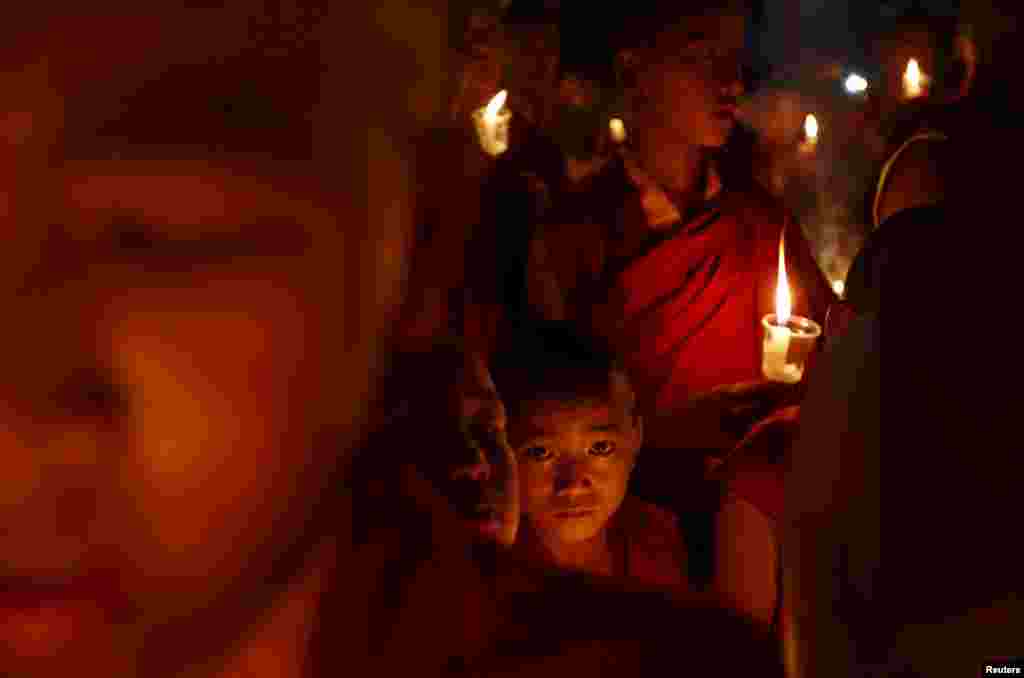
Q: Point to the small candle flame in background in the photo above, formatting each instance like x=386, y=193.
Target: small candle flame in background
x=492, y=124
x=783, y=299
x=914, y=80
x=838, y=286
x=856, y=84
x=811, y=129
x=496, y=103
x=617, y=129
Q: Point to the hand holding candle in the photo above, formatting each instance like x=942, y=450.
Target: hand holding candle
x=491, y=124
x=788, y=339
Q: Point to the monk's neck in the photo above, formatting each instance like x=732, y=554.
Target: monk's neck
x=677, y=168
x=593, y=556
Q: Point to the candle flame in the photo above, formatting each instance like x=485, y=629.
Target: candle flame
x=856, y=84
x=495, y=105
x=913, y=79
x=618, y=130
x=811, y=128
x=783, y=300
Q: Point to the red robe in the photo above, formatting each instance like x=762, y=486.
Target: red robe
x=684, y=307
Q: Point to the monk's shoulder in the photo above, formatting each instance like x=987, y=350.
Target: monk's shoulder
x=649, y=523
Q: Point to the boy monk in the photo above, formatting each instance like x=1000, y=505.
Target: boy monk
x=573, y=422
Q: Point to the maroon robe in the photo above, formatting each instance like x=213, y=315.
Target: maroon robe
x=685, y=306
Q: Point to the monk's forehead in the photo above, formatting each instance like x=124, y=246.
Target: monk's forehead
x=613, y=403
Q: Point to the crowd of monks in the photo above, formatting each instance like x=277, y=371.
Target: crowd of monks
x=500, y=416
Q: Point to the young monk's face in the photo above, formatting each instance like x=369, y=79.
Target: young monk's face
x=190, y=339
x=688, y=80
x=575, y=459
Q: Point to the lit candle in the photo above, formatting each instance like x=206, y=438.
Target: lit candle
x=788, y=339
x=856, y=84
x=811, y=130
x=617, y=129
x=491, y=123
x=838, y=286
x=777, y=334
x=914, y=81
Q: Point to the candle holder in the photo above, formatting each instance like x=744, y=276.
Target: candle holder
x=786, y=347
x=492, y=130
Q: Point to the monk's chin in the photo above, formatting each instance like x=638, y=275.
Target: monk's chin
x=574, y=528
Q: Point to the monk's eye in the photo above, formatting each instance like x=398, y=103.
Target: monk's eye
x=90, y=393
x=602, y=448
x=537, y=453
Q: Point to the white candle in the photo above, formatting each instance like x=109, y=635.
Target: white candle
x=491, y=123
x=778, y=335
x=776, y=347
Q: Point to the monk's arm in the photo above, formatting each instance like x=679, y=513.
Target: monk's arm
x=746, y=557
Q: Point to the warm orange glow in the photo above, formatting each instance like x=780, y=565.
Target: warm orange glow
x=492, y=125
x=618, y=130
x=913, y=79
x=494, y=105
x=811, y=128
x=783, y=299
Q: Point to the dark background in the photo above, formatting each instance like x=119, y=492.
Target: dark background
x=840, y=28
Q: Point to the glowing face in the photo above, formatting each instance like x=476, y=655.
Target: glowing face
x=575, y=460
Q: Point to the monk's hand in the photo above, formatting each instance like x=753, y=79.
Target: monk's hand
x=767, y=441
x=720, y=418
x=740, y=407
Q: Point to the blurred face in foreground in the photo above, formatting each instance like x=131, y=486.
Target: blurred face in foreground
x=194, y=311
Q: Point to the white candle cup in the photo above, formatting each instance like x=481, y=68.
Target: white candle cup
x=492, y=131
x=808, y=146
x=786, y=347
